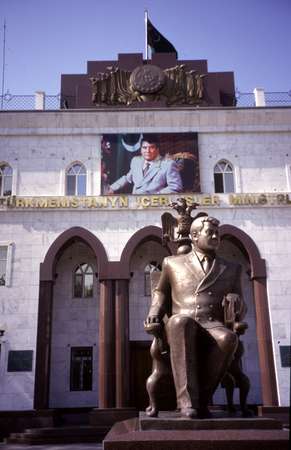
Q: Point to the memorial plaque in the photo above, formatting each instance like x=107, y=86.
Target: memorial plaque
x=285, y=354
x=20, y=361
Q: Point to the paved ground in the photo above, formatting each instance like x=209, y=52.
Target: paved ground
x=51, y=447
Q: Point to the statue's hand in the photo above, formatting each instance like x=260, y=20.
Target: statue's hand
x=240, y=327
x=152, y=325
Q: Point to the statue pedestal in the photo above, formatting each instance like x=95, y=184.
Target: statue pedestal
x=171, y=432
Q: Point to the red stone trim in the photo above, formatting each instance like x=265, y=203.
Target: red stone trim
x=47, y=268
x=145, y=234
x=248, y=247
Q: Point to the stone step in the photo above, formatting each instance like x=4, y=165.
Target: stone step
x=173, y=421
x=200, y=439
x=61, y=435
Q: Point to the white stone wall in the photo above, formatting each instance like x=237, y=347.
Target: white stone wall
x=40, y=146
x=39, y=163
x=259, y=160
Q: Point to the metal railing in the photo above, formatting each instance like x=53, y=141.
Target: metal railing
x=247, y=99
x=10, y=102
x=278, y=98
x=41, y=101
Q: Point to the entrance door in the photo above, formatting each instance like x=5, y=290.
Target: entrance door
x=147, y=257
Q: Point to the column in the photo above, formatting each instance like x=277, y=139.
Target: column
x=265, y=344
x=43, y=346
x=259, y=94
x=122, y=343
x=39, y=100
x=106, y=345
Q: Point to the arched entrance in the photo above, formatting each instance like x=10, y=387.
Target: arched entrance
x=75, y=325
x=257, y=276
x=63, y=254
x=143, y=254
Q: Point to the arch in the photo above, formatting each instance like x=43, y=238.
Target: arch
x=223, y=160
x=74, y=163
x=47, y=276
x=47, y=268
x=5, y=163
x=264, y=335
x=145, y=234
x=248, y=246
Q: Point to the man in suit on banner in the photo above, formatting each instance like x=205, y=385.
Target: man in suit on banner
x=150, y=173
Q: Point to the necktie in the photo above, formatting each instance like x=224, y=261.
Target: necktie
x=206, y=263
x=146, y=168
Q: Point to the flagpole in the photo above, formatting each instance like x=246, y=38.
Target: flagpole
x=3, y=65
x=146, y=32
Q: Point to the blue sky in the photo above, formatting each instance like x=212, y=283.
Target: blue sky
x=45, y=38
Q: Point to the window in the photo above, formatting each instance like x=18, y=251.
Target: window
x=76, y=180
x=3, y=264
x=81, y=369
x=223, y=177
x=153, y=266
x=5, y=180
x=83, y=281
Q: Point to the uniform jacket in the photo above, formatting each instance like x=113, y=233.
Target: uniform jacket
x=163, y=176
x=184, y=288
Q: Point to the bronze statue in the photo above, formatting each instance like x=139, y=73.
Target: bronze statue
x=194, y=306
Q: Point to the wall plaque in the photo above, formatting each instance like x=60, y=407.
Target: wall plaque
x=285, y=354
x=20, y=361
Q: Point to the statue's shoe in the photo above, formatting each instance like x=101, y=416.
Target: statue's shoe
x=188, y=413
x=152, y=412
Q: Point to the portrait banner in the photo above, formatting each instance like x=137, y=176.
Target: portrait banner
x=149, y=163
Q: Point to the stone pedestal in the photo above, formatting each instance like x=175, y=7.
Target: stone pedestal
x=171, y=432
x=108, y=416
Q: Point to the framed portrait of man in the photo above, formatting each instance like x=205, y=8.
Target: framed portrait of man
x=149, y=163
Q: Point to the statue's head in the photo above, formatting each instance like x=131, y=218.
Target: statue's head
x=205, y=234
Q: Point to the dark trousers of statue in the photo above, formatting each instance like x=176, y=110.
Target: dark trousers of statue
x=199, y=359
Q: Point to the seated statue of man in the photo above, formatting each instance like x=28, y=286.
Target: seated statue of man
x=202, y=290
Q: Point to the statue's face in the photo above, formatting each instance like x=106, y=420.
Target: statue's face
x=207, y=239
